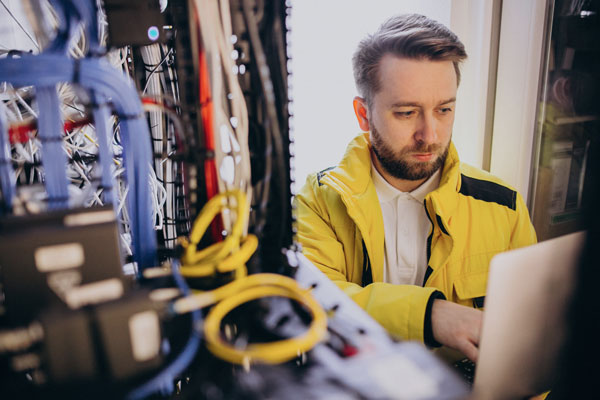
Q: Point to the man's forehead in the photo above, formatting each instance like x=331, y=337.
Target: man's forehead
x=416, y=81
x=393, y=63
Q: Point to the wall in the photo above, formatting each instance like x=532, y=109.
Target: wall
x=476, y=23
x=324, y=35
x=519, y=68
x=13, y=36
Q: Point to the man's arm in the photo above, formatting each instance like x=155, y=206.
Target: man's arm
x=457, y=327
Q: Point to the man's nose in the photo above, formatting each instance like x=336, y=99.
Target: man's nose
x=426, y=130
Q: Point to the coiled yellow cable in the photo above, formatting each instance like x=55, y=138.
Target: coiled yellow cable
x=247, y=289
x=227, y=256
x=231, y=255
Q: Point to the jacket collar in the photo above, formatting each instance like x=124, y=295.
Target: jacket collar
x=352, y=180
x=353, y=174
x=444, y=198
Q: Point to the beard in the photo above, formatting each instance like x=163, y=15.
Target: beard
x=396, y=164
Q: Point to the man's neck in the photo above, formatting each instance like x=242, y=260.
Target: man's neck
x=403, y=185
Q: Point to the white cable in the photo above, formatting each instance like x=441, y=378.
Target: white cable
x=25, y=105
x=156, y=209
x=10, y=114
x=85, y=178
x=215, y=26
x=152, y=58
x=78, y=44
x=126, y=242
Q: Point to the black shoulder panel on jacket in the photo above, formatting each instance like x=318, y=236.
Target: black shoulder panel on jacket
x=321, y=173
x=488, y=191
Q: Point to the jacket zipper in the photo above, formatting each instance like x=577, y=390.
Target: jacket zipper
x=429, y=240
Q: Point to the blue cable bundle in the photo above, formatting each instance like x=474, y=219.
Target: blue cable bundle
x=70, y=14
x=53, y=66
x=85, y=11
x=97, y=75
x=101, y=114
x=7, y=177
x=54, y=159
x=68, y=23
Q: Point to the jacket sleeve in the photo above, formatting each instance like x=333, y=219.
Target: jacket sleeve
x=523, y=233
x=400, y=309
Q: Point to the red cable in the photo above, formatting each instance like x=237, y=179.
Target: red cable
x=19, y=133
x=207, y=115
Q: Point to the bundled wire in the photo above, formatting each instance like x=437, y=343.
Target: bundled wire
x=250, y=288
x=104, y=133
x=166, y=130
x=231, y=255
x=68, y=25
x=206, y=113
x=54, y=159
x=158, y=103
x=78, y=141
x=20, y=133
x=274, y=132
x=7, y=178
x=224, y=110
x=101, y=78
x=79, y=32
x=222, y=257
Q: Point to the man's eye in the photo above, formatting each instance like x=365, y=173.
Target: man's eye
x=405, y=114
x=445, y=110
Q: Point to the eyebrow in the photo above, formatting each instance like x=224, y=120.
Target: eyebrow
x=412, y=104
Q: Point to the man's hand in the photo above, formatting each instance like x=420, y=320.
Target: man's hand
x=457, y=327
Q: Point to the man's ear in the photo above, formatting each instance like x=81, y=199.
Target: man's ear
x=361, y=111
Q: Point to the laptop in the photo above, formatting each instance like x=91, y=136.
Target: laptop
x=524, y=323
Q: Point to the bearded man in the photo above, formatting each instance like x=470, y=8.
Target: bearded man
x=401, y=225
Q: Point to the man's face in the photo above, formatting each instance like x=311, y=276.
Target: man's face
x=411, y=117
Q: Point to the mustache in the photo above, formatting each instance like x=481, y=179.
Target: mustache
x=422, y=148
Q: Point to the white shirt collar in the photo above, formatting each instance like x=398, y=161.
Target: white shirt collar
x=387, y=192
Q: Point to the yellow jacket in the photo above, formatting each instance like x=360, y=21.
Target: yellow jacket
x=474, y=216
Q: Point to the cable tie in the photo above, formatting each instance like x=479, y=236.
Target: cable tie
x=57, y=198
x=125, y=117
x=94, y=105
x=50, y=139
x=76, y=70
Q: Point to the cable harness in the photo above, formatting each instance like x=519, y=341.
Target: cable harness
x=231, y=255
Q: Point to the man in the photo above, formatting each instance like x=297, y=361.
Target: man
x=400, y=224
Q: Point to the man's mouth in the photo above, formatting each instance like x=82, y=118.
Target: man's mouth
x=423, y=156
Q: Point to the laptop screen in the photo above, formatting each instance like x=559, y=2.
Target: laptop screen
x=524, y=320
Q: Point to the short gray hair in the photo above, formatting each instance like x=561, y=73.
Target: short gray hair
x=411, y=36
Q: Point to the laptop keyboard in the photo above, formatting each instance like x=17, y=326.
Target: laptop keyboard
x=466, y=369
